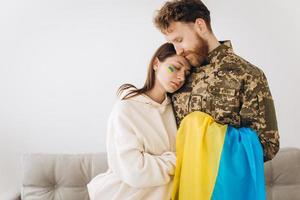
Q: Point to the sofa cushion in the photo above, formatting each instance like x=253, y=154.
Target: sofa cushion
x=60, y=176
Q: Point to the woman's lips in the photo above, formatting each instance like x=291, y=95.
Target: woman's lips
x=176, y=84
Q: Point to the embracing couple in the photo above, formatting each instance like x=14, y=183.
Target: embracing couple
x=192, y=71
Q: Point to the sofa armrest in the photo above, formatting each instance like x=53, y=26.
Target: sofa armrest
x=282, y=175
x=11, y=195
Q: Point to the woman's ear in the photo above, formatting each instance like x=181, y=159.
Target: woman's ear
x=155, y=64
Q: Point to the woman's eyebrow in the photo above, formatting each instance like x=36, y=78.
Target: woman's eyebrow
x=175, y=64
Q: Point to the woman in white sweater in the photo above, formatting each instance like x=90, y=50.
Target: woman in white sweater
x=141, y=135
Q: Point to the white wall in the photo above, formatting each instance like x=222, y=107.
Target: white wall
x=62, y=61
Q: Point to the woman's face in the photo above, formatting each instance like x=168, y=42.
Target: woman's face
x=171, y=73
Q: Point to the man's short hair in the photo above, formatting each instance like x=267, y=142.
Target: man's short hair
x=181, y=11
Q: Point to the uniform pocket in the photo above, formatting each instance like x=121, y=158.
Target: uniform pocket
x=200, y=103
x=225, y=98
x=225, y=105
x=195, y=103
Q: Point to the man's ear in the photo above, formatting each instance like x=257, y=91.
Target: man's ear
x=200, y=26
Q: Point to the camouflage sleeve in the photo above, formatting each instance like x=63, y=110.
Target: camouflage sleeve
x=258, y=112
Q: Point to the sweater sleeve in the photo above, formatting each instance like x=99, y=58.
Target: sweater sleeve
x=133, y=165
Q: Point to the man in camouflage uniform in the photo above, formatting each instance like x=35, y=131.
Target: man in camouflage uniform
x=221, y=83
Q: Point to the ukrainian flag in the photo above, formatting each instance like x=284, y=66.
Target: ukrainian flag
x=217, y=162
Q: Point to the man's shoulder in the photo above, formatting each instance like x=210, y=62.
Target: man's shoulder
x=238, y=64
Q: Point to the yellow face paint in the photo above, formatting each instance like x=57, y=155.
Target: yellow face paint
x=171, y=69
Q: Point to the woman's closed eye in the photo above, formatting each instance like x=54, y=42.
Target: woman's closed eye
x=177, y=68
x=186, y=72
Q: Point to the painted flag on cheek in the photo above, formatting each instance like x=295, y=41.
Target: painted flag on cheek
x=171, y=69
x=217, y=162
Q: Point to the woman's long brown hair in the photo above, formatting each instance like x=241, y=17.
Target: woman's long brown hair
x=163, y=52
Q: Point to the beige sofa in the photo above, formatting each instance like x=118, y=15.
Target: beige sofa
x=57, y=177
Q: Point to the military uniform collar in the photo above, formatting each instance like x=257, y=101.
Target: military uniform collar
x=225, y=47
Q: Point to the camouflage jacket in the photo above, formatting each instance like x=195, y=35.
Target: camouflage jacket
x=232, y=91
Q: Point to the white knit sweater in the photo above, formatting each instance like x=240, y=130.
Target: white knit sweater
x=141, y=152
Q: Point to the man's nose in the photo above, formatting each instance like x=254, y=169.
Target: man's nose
x=179, y=51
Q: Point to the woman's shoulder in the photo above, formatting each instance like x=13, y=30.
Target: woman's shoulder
x=123, y=111
x=124, y=105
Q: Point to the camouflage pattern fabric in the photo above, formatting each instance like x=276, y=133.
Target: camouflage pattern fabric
x=234, y=92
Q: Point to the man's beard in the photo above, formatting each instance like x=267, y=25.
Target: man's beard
x=198, y=55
